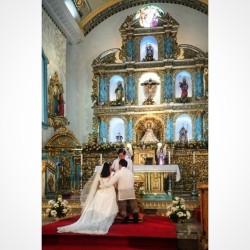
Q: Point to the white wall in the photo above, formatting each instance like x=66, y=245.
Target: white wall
x=193, y=30
x=54, y=46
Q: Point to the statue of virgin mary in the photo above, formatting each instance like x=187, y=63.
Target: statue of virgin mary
x=149, y=135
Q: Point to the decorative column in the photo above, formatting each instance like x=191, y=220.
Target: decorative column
x=168, y=46
x=168, y=86
x=102, y=90
x=130, y=89
x=129, y=130
x=198, y=127
x=199, y=86
x=103, y=132
x=130, y=49
x=169, y=129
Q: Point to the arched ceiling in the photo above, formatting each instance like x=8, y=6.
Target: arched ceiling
x=91, y=13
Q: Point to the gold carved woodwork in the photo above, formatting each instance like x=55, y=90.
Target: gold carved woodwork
x=140, y=156
x=153, y=183
x=203, y=187
x=63, y=139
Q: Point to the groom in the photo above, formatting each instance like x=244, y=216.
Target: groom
x=126, y=193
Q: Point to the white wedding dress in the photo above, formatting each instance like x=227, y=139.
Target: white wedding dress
x=99, y=212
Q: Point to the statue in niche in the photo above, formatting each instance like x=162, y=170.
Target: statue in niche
x=149, y=52
x=119, y=137
x=149, y=88
x=183, y=134
x=51, y=183
x=184, y=87
x=119, y=91
x=56, y=100
x=149, y=135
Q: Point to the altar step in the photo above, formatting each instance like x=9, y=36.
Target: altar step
x=151, y=206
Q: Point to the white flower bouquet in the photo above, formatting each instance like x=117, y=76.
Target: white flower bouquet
x=58, y=208
x=177, y=210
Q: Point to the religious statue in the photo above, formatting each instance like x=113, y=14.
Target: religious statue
x=119, y=91
x=184, y=87
x=149, y=88
x=183, y=134
x=161, y=154
x=149, y=135
x=56, y=100
x=149, y=52
x=119, y=137
x=51, y=183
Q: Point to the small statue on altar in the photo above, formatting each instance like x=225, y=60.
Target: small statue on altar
x=149, y=135
x=119, y=137
x=149, y=52
x=161, y=154
x=183, y=134
x=119, y=91
x=184, y=87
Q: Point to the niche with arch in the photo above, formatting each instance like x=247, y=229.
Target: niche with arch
x=116, y=89
x=116, y=128
x=183, y=123
x=143, y=91
x=183, y=85
x=149, y=49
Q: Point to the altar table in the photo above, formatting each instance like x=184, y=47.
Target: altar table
x=156, y=177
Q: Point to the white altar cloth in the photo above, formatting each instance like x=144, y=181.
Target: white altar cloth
x=155, y=168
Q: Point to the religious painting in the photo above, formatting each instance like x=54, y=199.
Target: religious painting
x=148, y=49
x=183, y=128
x=183, y=85
x=148, y=15
x=116, y=130
x=149, y=89
x=50, y=181
x=116, y=89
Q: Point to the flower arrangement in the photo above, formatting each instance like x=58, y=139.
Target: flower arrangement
x=177, y=210
x=58, y=208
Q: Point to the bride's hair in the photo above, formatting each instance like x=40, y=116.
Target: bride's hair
x=106, y=169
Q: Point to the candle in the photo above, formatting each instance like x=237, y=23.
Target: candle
x=81, y=158
x=169, y=158
x=100, y=159
x=194, y=157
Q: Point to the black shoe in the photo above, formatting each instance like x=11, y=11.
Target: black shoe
x=125, y=220
x=135, y=218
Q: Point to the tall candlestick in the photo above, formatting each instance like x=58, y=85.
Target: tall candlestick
x=194, y=157
x=81, y=158
x=100, y=159
x=169, y=158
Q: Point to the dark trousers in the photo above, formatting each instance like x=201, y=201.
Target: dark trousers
x=123, y=207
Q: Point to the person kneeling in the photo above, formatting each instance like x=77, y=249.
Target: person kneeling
x=126, y=193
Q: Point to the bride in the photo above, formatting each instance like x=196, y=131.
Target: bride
x=100, y=207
